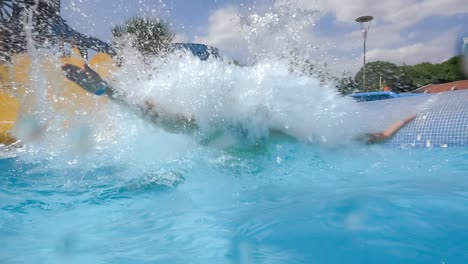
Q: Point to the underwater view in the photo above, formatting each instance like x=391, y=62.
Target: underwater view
x=233, y=132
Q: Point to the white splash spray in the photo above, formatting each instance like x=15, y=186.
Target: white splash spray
x=258, y=99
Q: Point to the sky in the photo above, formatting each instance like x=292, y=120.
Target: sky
x=402, y=32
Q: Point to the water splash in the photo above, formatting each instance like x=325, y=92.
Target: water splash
x=230, y=104
x=254, y=100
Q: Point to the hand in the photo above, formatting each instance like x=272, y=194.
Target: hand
x=86, y=78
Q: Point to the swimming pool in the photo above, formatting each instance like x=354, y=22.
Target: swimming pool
x=172, y=200
x=109, y=187
x=113, y=188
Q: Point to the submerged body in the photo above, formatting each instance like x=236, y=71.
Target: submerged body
x=92, y=82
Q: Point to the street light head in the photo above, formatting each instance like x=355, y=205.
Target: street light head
x=364, y=28
x=364, y=19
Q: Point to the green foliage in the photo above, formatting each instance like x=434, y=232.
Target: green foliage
x=402, y=78
x=148, y=36
x=452, y=69
x=347, y=85
x=426, y=73
x=376, y=72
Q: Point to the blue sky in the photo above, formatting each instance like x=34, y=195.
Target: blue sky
x=404, y=31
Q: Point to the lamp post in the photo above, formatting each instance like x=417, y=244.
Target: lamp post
x=465, y=57
x=365, y=22
x=465, y=46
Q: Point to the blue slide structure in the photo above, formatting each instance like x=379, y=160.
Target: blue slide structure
x=202, y=51
x=375, y=96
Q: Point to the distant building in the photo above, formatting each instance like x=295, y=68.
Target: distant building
x=443, y=87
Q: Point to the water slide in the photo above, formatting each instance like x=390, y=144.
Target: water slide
x=15, y=82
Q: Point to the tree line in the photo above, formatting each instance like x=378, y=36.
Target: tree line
x=403, y=78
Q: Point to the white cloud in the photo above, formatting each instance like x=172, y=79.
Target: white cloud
x=401, y=12
x=416, y=12
x=224, y=25
x=248, y=35
x=228, y=30
x=180, y=38
x=225, y=31
x=435, y=51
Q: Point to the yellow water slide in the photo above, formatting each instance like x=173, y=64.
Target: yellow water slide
x=18, y=76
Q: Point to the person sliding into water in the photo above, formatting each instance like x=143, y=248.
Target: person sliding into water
x=92, y=82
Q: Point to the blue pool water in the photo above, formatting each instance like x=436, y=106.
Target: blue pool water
x=283, y=201
x=102, y=185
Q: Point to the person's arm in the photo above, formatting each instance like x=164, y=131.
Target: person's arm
x=388, y=133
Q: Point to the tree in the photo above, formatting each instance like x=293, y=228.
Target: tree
x=376, y=73
x=347, y=85
x=404, y=83
x=423, y=74
x=451, y=69
x=426, y=73
x=405, y=78
x=149, y=36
